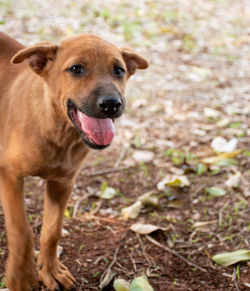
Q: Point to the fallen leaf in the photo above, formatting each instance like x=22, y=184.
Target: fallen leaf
x=220, y=144
x=234, y=180
x=225, y=159
x=204, y=73
x=140, y=284
x=173, y=181
x=176, y=204
x=107, y=193
x=121, y=285
x=143, y=156
x=145, y=228
x=65, y=232
x=231, y=154
x=59, y=251
x=223, y=122
x=205, y=226
x=215, y=191
x=37, y=252
x=230, y=258
x=149, y=198
x=211, y=113
x=132, y=211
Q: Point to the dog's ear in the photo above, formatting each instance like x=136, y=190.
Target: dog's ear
x=40, y=56
x=133, y=61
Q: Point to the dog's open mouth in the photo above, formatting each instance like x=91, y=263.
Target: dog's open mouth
x=95, y=132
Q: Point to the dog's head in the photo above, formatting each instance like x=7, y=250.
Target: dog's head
x=85, y=76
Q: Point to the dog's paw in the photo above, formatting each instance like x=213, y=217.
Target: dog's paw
x=55, y=275
x=20, y=278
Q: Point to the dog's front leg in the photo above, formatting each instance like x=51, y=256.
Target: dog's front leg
x=20, y=265
x=50, y=270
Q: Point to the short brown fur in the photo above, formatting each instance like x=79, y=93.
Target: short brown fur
x=37, y=138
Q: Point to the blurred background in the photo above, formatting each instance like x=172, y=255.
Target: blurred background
x=184, y=141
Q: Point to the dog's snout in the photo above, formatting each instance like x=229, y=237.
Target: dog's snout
x=109, y=105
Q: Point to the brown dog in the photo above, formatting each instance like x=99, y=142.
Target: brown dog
x=56, y=102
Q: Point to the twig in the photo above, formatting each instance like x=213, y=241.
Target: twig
x=198, y=190
x=122, y=155
x=114, y=259
x=221, y=213
x=143, y=249
x=236, y=285
x=192, y=235
x=174, y=253
x=108, y=274
x=234, y=278
x=133, y=262
x=90, y=216
x=98, y=207
x=108, y=171
x=78, y=202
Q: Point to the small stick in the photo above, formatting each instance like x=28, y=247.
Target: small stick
x=174, y=253
x=108, y=274
x=98, y=207
x=235, y=279
x=107, y=171
x=122, y=155
x=115, y=258
x=76, y=206
x=133, y=262
x=143, y=249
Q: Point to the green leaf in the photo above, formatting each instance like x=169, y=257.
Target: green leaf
x=230, y=258
x=168, y=152
x=140, y=284
x=201, y=169
x=67, y=213
x=189, y=157
x=2, y=283
x=235, y=124
x=215, y=191
x=178, y=160
x=103, y=187
x=227, y=162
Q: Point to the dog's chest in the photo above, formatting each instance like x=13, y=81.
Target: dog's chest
x=57, y=161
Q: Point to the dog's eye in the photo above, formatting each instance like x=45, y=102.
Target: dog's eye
x=119, y=72
x=77, y=70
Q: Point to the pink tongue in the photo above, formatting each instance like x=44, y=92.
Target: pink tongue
x=100, y=131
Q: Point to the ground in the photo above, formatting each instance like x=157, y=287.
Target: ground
x=196, y=89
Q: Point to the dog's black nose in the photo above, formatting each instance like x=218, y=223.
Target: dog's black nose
x=109, y=105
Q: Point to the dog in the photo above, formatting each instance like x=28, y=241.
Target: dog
x=56, y=103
